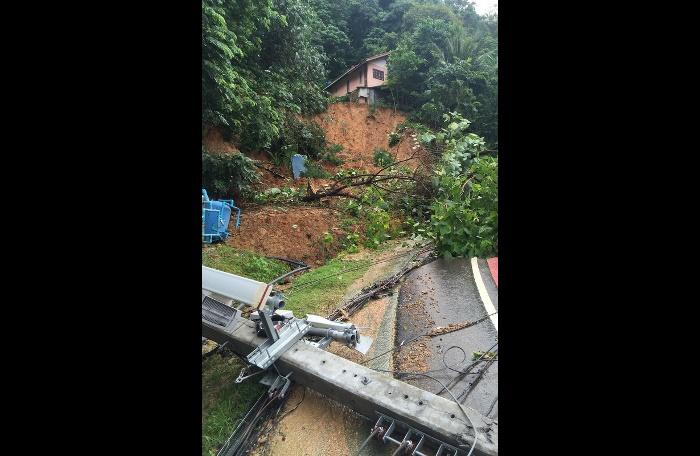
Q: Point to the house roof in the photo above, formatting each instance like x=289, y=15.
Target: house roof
x=368, y=59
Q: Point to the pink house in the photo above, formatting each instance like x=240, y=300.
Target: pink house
x=363, y=78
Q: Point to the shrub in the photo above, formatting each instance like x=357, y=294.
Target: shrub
x=394, y=138
x=382, y=157
x=228, y=175
x=326, y=243
x=464, y=217
x=350, y=242
x=378, y=227
x=330, y=154
x=276, y=195
x=314, y=171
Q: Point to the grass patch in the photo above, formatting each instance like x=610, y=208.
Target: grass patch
x=240, y=262
x=224, y=402
x=308, y=294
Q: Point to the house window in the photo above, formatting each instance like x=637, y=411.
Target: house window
x=378, y=74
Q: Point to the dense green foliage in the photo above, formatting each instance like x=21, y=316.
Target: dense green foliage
x=227, y=175
x=298, y=137
x=464, y=219
x=447, y=60
x=261, y=61
x=264, y=61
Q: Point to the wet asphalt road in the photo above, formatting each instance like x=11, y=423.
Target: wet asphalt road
x=447, y=290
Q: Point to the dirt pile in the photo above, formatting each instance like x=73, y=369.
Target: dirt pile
x=293, y=232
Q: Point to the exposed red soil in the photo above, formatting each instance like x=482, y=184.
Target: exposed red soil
x=213, y=141
x=292, y=232
x=360, y=131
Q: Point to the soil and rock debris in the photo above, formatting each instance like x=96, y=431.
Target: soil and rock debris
x=413, y=356
x=360, y=132
x=293, y=232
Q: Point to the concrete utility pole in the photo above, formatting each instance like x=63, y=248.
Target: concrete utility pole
x=364, y=390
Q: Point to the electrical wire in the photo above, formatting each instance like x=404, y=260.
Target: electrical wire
x=225, y=450
x=478, y=378
x=492, y=404
x=467, y=371
x=295, y=407
x=444, y=387
x=290, y=273
x=372, y=434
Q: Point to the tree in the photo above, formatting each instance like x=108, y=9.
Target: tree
x=253, y=53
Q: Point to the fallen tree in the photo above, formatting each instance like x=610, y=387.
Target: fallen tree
x=342, y=184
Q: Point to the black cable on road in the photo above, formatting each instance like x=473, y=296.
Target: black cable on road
x=474, y=382
x=492, y=404
x=468, y=369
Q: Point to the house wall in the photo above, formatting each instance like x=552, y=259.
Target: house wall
x=379, y=64
x=357, y=78
x=339, y=88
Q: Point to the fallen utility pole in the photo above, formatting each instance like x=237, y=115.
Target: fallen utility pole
x=364, y=390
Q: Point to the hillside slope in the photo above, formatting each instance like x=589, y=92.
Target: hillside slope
x=360, y=131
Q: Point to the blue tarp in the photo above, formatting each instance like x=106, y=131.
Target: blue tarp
x=298, y=165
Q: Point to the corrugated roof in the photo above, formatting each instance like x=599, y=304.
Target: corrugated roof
x=368, y=59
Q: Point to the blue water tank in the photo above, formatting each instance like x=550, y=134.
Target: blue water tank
x=215, y=218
